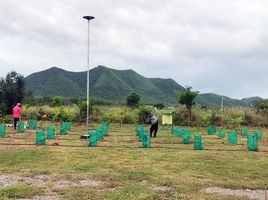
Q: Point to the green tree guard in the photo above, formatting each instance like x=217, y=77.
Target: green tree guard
x=173, y=129
x=222, y=133
x=258, y=135
x=139, y=129
x=68, y=126
x=32, y=124
x=2, y=130
x=146, y=140
x=212, y=130
x=50, y=132
x=99, y=134
x=252, y=143
x=232, y=137
x=92, y=139
x=104, y=128
x=187, y=137
x=179, y=131
x=21, y=127
x=40, y=138
x=141, y=133
x=63, y=129
x=244, y=132
x=198, y=142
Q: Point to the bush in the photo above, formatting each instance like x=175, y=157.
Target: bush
x=8, y=119
x=39, y=113
x=143, y=113
x=159, y=106
x=62, y=115
x=215, y=120
x=253, y=119
x=128, y=119
x=180, y=117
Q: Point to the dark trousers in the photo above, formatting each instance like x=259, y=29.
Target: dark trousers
x=15, y=122
x=153, y=129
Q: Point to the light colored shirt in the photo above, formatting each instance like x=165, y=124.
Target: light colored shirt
x=152, y=119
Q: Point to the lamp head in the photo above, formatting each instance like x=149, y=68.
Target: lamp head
x=88, y=17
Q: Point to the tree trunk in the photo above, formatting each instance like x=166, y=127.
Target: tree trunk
x=189, y=117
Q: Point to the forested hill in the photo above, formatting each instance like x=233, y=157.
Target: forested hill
x=105, y=83
x=115, y=85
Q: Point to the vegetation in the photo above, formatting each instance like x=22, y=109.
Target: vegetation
x=200, y=117
x=133, y=100
x=115, y=85
x=262, y=106
x=12, y=91
x=120, y=169
x=105, y=84
x=57, y=101
x=188, y=98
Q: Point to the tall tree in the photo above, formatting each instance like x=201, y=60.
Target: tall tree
x=188, y=98
x=262, y=106
x=12, y=90
x=133, y=100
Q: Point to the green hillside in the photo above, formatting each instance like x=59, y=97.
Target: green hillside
x=115, y=85
x=105, y=83
x=214, y=100
x=54, y=81
x=250, y=101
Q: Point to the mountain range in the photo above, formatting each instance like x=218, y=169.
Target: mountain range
x=115, y=85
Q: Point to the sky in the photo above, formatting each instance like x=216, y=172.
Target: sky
x=215, y=46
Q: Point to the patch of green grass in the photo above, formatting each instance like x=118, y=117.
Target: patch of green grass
x=130, y=172
x=82, y=193
x=23, y=159
x=131, y=191
x=19, y=191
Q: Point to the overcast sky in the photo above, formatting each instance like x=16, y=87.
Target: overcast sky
x=218, y=46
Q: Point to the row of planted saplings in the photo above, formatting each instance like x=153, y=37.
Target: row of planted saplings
x=143, y=136
x=185, y=134
x=98, y=134
x=42, y=134
x=49, y=133
x=21, y=127
x=252, y=138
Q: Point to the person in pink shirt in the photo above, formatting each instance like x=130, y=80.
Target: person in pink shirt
x=16, y=114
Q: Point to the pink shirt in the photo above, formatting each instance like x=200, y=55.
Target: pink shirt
x=16, y=112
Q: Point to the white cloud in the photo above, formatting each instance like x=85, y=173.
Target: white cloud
x=214, y=46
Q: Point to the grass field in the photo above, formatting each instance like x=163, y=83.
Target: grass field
x=66, y=168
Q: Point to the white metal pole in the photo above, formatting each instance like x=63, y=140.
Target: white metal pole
x=88, y=18
x=87, y=72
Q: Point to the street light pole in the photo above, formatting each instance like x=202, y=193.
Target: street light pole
x=88, y=18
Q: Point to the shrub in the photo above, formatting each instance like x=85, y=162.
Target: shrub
x=215, y=120
x=180, y=117
x=8, y=119
x=143, y=113
x=62, y=115
x=116, y=117
x=128, y=119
